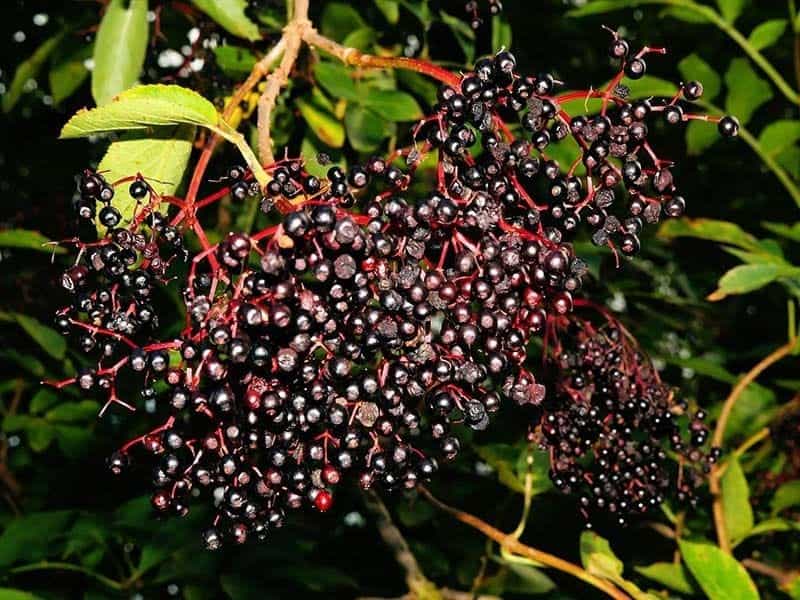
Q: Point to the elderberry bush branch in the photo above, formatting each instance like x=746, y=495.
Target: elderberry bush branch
x=511, y=543
x=293, y=39
x=714, y=480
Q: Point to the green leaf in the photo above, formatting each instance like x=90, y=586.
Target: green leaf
x=361, y=39
x=339, y=20
x=421, y=10
x=747, y=278
x=597, y=556
x=751, y=412
x=736, y=501
x=161, y=157
x=779, y=135
x=464, y=34
x=708, y=367
x=229, y=14
x=720, y=575
x=785, y=496
x=767, y=526
x=48, y=339
x=599, y=559
x=501, y=33
x=510, y=462
x=143, y=107
x=365, y=130
x=393, y=105
x=28, y=538
x=731, y=9
x=709, y=229
x=694, y=67
x=68, y=71
x=336, y=80
x=746, y=90
x=525, y=579
x=671, y=575
x=28, y=239
x=599, y=7
x=119, y=49
x=324, y=125
x=40, y=436
x=11, y=594
x=73, y=440
x=684, y=14
x=28, y=70
x=767, y=33
x=390, y=10
x=700, y=136
x=70, y=412
x=235, y=61
x=43, y=399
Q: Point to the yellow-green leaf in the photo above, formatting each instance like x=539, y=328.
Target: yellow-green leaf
x=670, y=575
x=161, y=158
x=736, y=501
x=747, y=278
x=29, y=69
x=767, y=33
x=322, y=123
x=719, y=574
x=143, y=107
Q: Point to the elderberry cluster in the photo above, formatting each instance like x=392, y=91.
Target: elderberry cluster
x=112, y=283
x=616, y=183
x=606, y=422
x=360, y=333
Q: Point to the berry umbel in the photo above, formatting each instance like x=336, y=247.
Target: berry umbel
x=358, y=336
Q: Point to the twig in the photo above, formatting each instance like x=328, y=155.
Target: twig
x=293, y=36
x=514, y=545
x=418, y=585
x=780, y=576
x=355, y=58
x=715, y=476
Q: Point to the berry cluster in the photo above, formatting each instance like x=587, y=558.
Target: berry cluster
x=606, y=421
x=616, y=183
x=375, y=319
x=113, y=281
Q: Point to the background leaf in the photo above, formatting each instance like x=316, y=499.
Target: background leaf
x=30, y=240
x=119, y=49
x=767, y=33
x=29, y=69
x=731, y=9
x=736, y=501
x=720, y=575
x=747, y=91
x=230, y=15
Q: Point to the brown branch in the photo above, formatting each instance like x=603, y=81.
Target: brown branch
x=510, y=543
x=293, y=36
x=418, y=584
x=714, y=478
